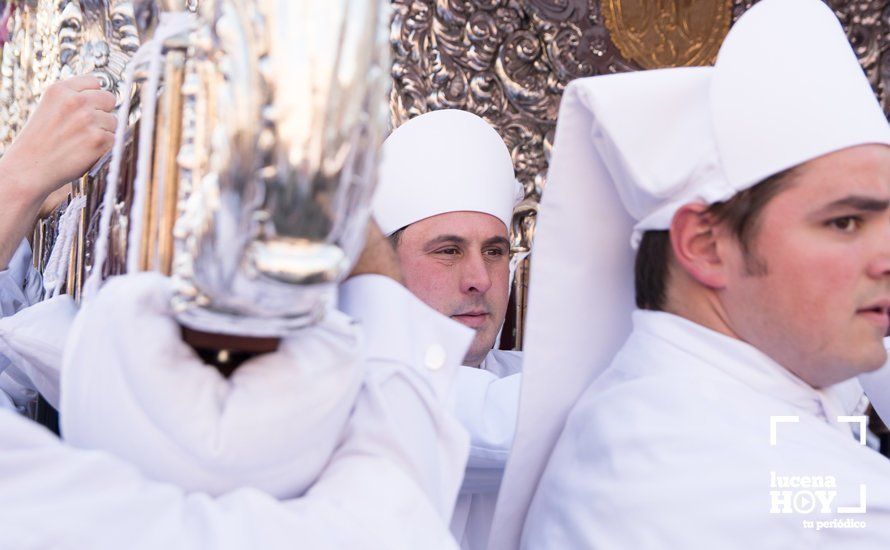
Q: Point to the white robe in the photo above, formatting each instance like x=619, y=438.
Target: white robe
x=390, y=482
x=486, y=403
x=670, y=448
x=20, y=287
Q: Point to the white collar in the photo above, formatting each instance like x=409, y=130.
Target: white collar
x=750, y=366
x=502, y=363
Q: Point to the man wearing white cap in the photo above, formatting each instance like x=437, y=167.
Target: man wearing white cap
x=445, y=198
x=758, y=196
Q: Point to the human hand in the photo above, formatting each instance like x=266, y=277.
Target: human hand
x=71, y=128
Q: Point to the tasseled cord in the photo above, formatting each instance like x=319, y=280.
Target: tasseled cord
x=170, y=24
x=56, y=271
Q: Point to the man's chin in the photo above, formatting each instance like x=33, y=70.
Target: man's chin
x=479, y=349
x=868, y=361
x=878, y=361
x=871, y=355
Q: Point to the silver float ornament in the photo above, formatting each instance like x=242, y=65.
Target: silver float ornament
x=284, y=108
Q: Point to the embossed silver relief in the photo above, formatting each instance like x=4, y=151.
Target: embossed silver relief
x=867, y=23
x=509, y=61
x=52, y=40
x=98, y=37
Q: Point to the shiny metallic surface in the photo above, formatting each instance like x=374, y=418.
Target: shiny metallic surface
x=53, y=39
x=667, y=34
x=284, y=108
x=264, y=151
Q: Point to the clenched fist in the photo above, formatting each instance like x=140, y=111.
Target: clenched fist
x=71, y=128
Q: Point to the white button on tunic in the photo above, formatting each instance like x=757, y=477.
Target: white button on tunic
x=435, y=357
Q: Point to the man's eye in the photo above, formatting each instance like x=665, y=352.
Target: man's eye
x=450, y=251
x=495, y=252
x=846, y=224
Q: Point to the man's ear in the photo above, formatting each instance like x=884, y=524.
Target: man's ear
x=694, y=244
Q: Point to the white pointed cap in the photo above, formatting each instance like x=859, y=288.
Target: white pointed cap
x=629, y=151
x=444, y=161
x=788, y=88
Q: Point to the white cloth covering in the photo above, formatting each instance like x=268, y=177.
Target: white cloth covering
x=20, y=286
x=390, y=483
x=20, y=283
x=788, y=88
x=473, y=171
x=486, y=403
x=56, y=496
x=33, y=340
x=670, y=448
x=272, y=425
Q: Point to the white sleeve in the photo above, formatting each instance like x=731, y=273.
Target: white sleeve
x=20, y=283
x=20, y=287
x=401, y=329
x=390, y=484
x=31, y=343
x=414, y=353
x=55, y=496
x=487, y=406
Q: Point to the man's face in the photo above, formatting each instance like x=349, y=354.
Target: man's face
x=821, y=308
x=458, y=264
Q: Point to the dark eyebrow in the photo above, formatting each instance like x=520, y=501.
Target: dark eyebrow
x=442, y=239
x=857, y=202
x=502, y=241
x=460, y=241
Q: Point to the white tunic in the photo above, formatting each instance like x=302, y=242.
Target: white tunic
x=20, y=287
x=390, y=481
x=670, y=448
x=486, y=403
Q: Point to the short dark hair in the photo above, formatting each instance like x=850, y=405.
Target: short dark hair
x=651, y=270
x=741, y=214
x=396, y=237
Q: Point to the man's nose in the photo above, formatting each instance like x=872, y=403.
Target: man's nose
x=474, y=276
x=879, y=266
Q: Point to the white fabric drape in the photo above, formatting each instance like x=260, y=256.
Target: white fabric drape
x=20, y=286
x=486, y=403
x=670, y=448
